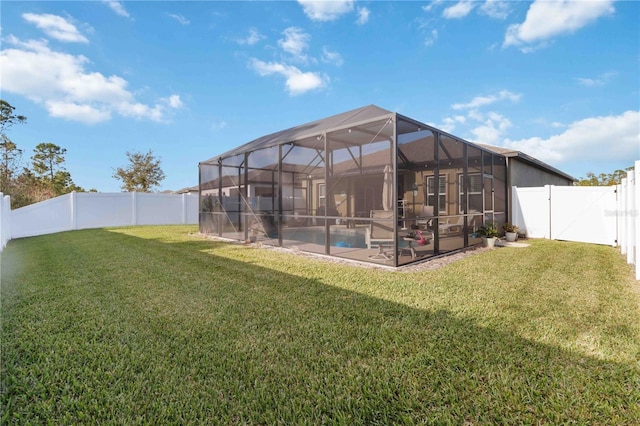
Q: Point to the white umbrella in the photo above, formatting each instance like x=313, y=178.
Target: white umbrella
x=387, y=188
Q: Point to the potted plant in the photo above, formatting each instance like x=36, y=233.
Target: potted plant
x=510, y=231
x=489, y=234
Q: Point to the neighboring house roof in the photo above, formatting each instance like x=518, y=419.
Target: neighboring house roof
x=186, y=190
x=511, y=153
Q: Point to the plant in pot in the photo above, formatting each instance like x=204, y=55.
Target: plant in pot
x=510, y=231
x=489, y=234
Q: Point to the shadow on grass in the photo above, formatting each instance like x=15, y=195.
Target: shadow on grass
x=101, y=326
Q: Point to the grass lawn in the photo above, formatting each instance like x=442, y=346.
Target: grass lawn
x=156, y=325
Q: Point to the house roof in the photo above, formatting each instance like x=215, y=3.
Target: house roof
x=511, y=153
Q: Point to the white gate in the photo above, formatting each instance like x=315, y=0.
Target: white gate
x=570, y=213
x=585, y=214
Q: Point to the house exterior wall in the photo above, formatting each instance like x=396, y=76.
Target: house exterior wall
x=524, y=175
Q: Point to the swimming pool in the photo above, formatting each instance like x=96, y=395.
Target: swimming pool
x=337, y=238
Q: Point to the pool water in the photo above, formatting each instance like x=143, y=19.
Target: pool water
x=347, y=238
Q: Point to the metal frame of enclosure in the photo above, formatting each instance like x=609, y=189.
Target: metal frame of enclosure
x=368, y=185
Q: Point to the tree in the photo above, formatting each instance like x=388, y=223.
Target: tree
x=141, y=174
x=29, y=189
x=47, y=160
x=603, y=179
x=10, y=155
x=7, y=116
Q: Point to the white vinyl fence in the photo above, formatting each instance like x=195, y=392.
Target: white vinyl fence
x=5, y=220
x=83, y=210
x=602, y=215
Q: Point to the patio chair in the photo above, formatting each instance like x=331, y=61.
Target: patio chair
x=380, y=231
x=453, y=227
x=425, y=220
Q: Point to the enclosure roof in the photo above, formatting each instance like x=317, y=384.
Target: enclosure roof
x=357, y=116
x=318, y=127
x=511, y=153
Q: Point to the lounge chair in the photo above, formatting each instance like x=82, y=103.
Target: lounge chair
x=455, y=226
x=380, y=231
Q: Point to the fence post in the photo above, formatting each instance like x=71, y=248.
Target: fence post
x=620, y=217
x=549, y=190
x=635, y=214
x=2, y=221
x=134, y=208
x=629, y=206
x=74, y=212
x=184, y=209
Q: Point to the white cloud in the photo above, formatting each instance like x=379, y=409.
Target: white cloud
x=492, y=129
x=458, y=10
x=252, y=38
x=80, y=112
x=491, y=126
x=56, y=27
x=613, y=137
x=432, y=38
x=61, y=82
x=449, y=123
x=181, y=19
x=117, y=7
x=363, y=15
x=331, y=57
x=326, y=10
x=173, y=101
x=601, y=80
x=479, y=101
x=297, y=82
x=429, y=7
x=218, y=125
x=548, y=19
x=295, y=42
x=496, y=9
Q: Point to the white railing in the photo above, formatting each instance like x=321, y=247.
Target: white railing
x=601, y=215
x=83, y=210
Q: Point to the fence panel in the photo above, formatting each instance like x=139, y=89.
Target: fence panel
x=158, y=209
x=584, y=213
x=5, y=220
x=531, y=211
x=45, y=217
x=96, y=210
x=632, y=217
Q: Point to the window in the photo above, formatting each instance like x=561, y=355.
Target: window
x=442, y=193
x=322, y=194
x=474, y=189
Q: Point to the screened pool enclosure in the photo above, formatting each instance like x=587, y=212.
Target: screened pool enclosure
x=369, y=185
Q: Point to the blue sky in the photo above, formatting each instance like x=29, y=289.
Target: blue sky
x=558, y=80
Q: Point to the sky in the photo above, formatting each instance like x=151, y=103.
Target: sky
x=189, y=80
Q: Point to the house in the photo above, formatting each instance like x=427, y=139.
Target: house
x=364, y=185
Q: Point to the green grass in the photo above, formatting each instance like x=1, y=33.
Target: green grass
x=155, y=325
